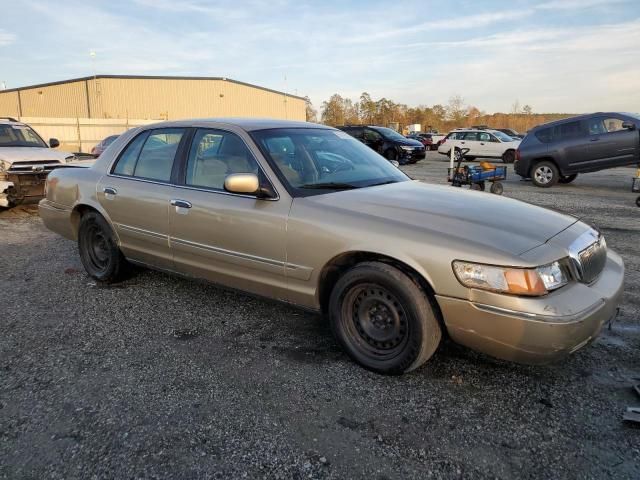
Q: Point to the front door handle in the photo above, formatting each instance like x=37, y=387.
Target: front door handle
x=594, y=139
x=110, y=191
x=462, y=143
x=180, y=203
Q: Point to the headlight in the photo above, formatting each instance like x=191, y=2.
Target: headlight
x=406, y=148
x=515, y=281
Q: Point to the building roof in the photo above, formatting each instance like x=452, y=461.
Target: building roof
x=147, y=77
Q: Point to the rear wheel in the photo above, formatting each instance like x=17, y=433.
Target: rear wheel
x=382, y=319
x=457, y=154
x=567, y=178
x=99, y=251
x=544, y=174
x=497, y=188
x=509, y=156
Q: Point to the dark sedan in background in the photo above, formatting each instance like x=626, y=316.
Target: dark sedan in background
x=388, y=143
x=102, y=146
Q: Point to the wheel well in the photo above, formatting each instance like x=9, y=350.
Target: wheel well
x=77, y=213
x=333, y=270
x=535, y=161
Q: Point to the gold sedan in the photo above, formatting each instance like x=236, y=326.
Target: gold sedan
x=306, y=214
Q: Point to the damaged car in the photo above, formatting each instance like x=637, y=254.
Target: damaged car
x=25, y=162
x=308, y=215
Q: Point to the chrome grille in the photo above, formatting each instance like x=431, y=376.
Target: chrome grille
x=592, y=260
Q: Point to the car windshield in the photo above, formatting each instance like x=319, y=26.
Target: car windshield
x=313, y=159
x=388, y=133
x=12, y=135
x=503, y=136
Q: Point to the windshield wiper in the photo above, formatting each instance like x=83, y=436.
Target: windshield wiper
x=329, y=186
x=386, y=182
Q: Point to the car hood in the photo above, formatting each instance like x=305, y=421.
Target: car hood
x=26, y=154
x=497, y=222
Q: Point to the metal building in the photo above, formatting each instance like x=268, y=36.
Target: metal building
x=149, y=97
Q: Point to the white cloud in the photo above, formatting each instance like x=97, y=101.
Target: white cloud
x=6, y=38
x=460, y=22
x=576, y=4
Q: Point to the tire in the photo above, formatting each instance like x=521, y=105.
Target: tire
x=471, y=159
x=638, y=202
x=545, y=174
x=403, y=334
x=567, y=178
x=99, y=251
x=509, y=156
x=480, y=186
x=496, y=188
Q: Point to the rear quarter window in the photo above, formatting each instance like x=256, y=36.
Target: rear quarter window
x=545, y=135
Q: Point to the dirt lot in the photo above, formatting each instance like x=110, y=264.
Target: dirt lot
x=160, y=377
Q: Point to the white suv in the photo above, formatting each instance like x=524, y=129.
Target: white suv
x=481, y=143
x=25, y=161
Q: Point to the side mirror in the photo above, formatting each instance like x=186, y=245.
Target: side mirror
x=395, y=163
x=246, y=183
x=54, y=142
x=629, y=125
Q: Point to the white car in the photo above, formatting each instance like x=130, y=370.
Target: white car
x=481, y=143
x=25, y=162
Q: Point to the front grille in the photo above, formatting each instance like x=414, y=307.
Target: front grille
x=34, y=166
x=592, y=260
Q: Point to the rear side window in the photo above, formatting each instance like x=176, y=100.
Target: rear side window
x=568, y=130
x=151, y=156
x=471, y=136
x=545, y=135
x=127, y=161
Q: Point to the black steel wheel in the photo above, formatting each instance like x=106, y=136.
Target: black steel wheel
x=383, y=320
x=638, y=202
x=480, y=186
x=99, y=251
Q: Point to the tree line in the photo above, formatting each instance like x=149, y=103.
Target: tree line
x=443, y=118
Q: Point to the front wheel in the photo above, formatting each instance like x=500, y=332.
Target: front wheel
x=544, y=174
x=383, y=320
x=99, y=251
x=567, y=178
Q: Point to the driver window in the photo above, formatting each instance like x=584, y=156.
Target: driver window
x=372, y=135
x=214, y=154
x=613, y=124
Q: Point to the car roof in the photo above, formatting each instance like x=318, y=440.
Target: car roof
x=247, y=124
x=575, y=118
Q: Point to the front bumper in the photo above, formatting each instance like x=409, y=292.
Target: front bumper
x=533, y=338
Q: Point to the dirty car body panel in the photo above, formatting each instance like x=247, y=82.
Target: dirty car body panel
x=289, y=246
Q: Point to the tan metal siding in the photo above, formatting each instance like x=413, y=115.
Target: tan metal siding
x=153, y=99
x=9, y=104
x=64, y=100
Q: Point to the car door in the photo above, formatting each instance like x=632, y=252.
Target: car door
x=610, y=145
x=470, y=141
x=489, y=145
x=136, y=195
x=570, y=147
x=231, y=239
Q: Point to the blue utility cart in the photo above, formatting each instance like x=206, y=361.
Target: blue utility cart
x=475, y=176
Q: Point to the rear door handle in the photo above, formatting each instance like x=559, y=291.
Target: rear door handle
x=181, y=203
x=110, y=191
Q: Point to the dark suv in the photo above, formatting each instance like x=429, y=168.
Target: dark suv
x=388, y=143
x=559, y=151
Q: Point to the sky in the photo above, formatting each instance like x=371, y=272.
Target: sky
x=569, y=56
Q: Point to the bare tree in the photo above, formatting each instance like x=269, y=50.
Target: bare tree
x=311, y=113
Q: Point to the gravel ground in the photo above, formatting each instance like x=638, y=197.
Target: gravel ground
x=160, y=377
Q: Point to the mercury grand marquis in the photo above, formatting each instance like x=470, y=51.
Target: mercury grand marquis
x=306, y=214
